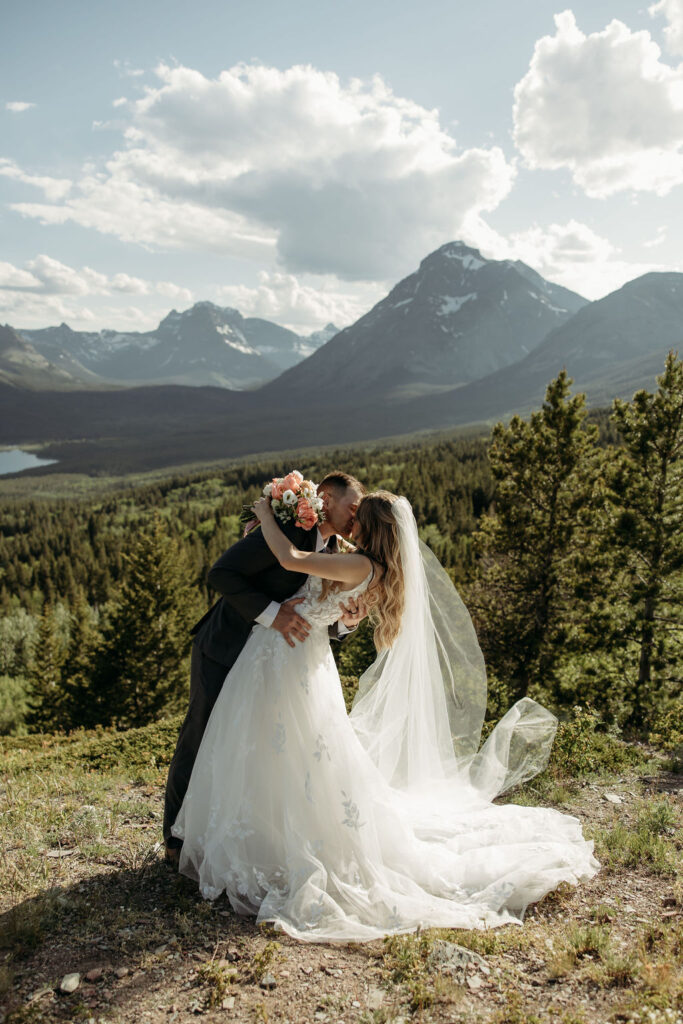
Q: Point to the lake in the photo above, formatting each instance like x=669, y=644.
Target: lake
x=14, y=460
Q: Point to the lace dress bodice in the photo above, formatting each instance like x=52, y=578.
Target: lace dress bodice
x=324, y=613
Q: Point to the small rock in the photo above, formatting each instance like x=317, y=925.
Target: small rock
x=95, y=974
x=284, y=974
x=452, y=959
x=375, y=998
x=306, y=970
x=613, y=798
x=228, y=1003
x=161, y=949
x=61, y=853
x=268, y=981
x=355, y=1004
x=70, y=982
x=233, y=954
x=121, y=972
x=475, y=982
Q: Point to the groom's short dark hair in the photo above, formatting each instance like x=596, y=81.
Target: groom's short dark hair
x=341, y=482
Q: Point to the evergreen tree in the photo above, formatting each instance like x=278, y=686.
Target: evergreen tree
x=645, y=495
x=142, y=666
x=524, y=599
x=79, y=666
x=46, y=701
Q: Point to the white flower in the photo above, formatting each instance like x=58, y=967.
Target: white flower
x=268, y=490
x=316, y=503
x=289, y=498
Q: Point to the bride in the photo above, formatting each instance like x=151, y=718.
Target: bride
x=336, y=827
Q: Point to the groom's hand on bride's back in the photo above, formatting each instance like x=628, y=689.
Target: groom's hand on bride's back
x=288, y=622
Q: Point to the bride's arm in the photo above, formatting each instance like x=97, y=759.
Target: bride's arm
x=343, y=568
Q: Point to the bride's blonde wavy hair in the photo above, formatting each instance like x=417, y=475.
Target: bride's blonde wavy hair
x=378, y=539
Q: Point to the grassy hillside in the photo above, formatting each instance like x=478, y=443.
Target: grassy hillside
x=84, y=890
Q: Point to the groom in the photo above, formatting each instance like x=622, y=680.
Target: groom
x=254, y=588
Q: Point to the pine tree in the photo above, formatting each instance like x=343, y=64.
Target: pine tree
x=79, y=667
x=645, y=494
x=46, y=694
x=523, y=600
x=143, y=666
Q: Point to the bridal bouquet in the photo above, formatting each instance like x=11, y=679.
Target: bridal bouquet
x=293, y=499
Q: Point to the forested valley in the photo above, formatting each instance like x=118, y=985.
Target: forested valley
x=562, y=533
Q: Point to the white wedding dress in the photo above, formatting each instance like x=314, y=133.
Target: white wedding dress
x=293, y=813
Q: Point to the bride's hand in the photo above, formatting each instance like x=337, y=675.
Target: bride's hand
x=262, y=509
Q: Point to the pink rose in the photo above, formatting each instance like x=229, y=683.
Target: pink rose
x=306, y=514
x=279, y=489
x=292, y=482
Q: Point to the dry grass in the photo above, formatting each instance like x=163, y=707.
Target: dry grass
x=84, y=888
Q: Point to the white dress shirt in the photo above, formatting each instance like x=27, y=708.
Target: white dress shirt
x=267, y=616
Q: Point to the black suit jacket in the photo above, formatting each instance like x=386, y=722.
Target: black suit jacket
x=249, y=577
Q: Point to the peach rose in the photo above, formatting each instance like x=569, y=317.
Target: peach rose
x=306, y=515
x=279, y=489
x=291, y=482
x=308, y=485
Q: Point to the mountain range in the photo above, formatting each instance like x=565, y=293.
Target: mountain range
x=458, y=318
x=462, y=340
x=206, y=344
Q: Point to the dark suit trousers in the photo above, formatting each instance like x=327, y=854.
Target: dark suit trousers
x=206, y=679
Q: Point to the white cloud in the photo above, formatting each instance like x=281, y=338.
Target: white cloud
x=673, y=33
x=572, y=254
x=54, y=188
x=124, y=68
x=39, y=288
x=658, y=238
x=344, y=179
x=43, y=311
x=603, y=106
x=18, y=106
x=116, y=205
x=174, y=291
x=299, y=305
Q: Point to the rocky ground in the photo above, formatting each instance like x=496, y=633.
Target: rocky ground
x=94, y=927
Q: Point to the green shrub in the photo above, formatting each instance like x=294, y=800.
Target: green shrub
x=13, y=705
x=581, y=749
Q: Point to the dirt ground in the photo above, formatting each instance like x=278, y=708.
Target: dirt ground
x=102, y=905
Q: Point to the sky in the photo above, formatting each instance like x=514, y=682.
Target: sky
x=295, y=160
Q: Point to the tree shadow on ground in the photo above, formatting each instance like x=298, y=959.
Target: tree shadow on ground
x=149, y=922
x=663, y=782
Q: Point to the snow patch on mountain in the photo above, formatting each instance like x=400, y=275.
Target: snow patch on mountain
x=452, y=303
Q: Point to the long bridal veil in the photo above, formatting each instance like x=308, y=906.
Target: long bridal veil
x=420, y=706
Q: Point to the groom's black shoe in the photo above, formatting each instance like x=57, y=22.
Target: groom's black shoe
x=172, y=855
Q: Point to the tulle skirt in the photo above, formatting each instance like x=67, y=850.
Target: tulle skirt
x=289, y=816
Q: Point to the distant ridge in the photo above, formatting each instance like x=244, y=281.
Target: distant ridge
x=206, y=344
x=356, y=387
